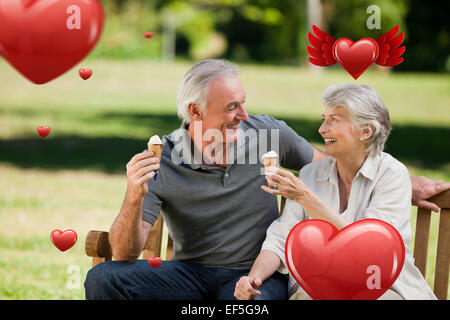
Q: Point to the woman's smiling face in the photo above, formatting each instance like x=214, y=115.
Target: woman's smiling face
x=339, y=133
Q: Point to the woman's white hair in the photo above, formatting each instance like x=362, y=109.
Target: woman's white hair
x=195, y=84
x=367, y=111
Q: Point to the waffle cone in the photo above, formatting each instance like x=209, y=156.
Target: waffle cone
x=270, y=162
x=156, y=149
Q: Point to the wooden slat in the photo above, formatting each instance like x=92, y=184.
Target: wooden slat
x=97, y=260
x=442, y=200
x=153, y=245
x=169, y=253
x=443, y=256
x=421, y=239
x=283, y=203
x=164, y=242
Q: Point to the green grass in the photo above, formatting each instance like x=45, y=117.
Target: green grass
x=75, y=178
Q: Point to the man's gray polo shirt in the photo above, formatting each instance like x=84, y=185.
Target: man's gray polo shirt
x=219, y=216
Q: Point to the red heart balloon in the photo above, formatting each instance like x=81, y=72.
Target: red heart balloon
x=63, y=240
x=42, y=39
x=85, y=73
x=43, y=131
x=358, y=262
x=355, y=57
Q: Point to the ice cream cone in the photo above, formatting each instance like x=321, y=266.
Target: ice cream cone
x=156, y=149
x=155, y=145
x=270, y=160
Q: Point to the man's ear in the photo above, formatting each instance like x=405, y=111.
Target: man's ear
x=194, y=111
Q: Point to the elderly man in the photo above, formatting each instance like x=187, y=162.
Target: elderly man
x=208, y=189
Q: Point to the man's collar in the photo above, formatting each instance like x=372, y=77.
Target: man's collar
x=183, y=146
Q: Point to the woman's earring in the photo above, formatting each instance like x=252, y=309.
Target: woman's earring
x=361, y=138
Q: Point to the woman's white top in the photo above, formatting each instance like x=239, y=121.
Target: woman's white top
x=381, y=190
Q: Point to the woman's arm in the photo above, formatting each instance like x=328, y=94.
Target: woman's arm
x=271, y=257
x=264, y=266
x=293, y=188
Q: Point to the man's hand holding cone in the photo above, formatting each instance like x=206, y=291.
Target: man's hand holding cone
x=141, y=168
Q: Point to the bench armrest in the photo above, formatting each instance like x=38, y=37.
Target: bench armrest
x=97, y=245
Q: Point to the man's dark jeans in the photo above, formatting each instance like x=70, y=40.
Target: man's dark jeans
x=173, y=280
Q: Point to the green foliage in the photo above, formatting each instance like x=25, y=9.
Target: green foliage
x=198, y=26
x=428, y=45
x=348, y=18
x=266, y=31
x=123, y=31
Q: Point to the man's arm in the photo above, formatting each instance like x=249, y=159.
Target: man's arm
x=129, y=232
x=424, y=188
x=295, y=151
x=318, y=154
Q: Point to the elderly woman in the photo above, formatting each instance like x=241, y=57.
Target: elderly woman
x=358, y=181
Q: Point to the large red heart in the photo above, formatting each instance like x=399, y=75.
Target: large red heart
x=355, y=57
x=63, y=240
x=42, y=39
x=359, y=262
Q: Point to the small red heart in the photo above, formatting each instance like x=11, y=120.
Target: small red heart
x=63, y=240
x=358, y=262
x=148, y=35
x=85, y=73
x=355, y=57
x=43, y=131
x=155, y=262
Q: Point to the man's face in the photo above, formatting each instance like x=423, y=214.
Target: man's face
x=225, y=107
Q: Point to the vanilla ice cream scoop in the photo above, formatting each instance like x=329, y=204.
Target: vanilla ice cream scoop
x=270, y=154
x=155, y=140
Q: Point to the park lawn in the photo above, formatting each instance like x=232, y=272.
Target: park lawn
x=75, y=178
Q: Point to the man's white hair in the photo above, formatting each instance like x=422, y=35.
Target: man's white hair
x=365, y=107
x=195, y=84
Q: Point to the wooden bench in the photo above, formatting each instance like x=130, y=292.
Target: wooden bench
x=159, y=243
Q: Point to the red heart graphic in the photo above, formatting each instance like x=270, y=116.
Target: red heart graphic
x=154, y=262
x=43, y=39
x=85, y=73
x=148, y=35
x=359, y=262
x=355, y=57
x=43, y=131
x=63, y=240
